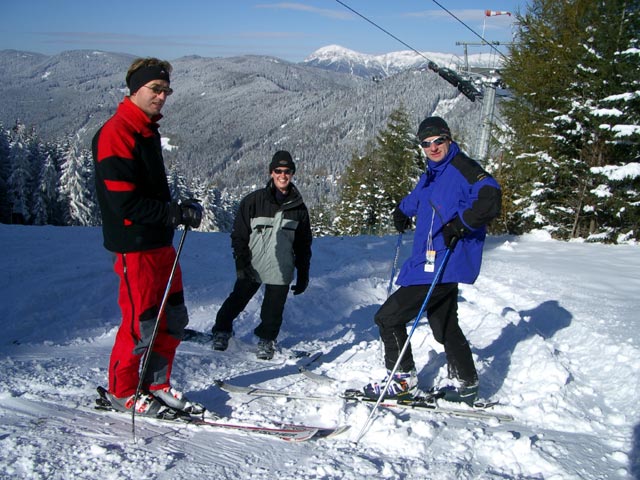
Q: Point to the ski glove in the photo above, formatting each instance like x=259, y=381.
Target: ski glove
x=302, y=282
x=401, y=221
x=453, y=231
x=186, y=212
x=244, y=270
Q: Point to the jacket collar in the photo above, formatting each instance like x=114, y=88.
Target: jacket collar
x=436, y=167
x=137, y=118
x=293, y=199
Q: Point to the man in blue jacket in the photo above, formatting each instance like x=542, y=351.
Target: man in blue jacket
x=452, y=203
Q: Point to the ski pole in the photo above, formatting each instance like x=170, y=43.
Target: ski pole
x=156, y=327
x=436, y=280
x=395, y=264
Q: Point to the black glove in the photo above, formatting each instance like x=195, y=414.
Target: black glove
x=244, y=270
x=401, y=221
x=302, y=282
x=187, y=212
x=453, y=231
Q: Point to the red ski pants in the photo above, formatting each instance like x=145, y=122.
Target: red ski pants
x=143, y=280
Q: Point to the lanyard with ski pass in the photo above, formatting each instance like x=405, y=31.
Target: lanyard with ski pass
x=430, y=255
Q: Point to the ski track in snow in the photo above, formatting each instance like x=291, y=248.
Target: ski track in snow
x=553, y=328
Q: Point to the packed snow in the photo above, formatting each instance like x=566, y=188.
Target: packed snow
x=553, y=327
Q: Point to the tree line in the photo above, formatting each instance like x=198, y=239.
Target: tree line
x=53, y=183
x=565, y=149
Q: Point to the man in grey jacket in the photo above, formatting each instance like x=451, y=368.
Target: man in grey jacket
x=271, y=238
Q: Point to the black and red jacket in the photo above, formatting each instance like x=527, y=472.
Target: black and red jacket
x=131, y=182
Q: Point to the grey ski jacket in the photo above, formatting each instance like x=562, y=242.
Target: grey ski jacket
x=276, y=237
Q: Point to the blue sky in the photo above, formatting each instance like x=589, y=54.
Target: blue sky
x=222, y=28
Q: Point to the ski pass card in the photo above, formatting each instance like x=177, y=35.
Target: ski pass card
x=430, y=263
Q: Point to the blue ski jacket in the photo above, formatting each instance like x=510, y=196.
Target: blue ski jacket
x=456, y=186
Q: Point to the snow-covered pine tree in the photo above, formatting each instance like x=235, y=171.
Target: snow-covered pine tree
x=572, y=63
x=401, y=162
x=5, y=171
x=21, y=179
x=45, y=204
x=178, y=185
x=77, y=189
x=375, y=182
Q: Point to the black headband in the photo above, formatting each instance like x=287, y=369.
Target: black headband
x=144, y=75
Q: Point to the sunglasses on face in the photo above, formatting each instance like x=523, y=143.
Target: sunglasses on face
x=437, y=141
x=158, y=89
x=280, y=171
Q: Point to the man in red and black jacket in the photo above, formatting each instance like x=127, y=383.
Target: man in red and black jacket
x=138, y=223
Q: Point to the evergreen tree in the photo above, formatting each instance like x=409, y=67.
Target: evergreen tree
x=374, y=183
x=45, y=205
x=402, y=162
x=77, y=189
x=178, y=185
x=322, y=218
x=573, y=62
x=21, y=179
x=5, y=171
x=358, y=209
x=221, y=209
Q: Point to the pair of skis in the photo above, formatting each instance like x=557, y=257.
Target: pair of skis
x=428, y=403
x=287, y=432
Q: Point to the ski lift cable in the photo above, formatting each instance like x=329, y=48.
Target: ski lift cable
x=472, y=31
x=464, y=86
x=385, y=31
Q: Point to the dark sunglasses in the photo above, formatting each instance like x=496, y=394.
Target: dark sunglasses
x=158, y=89
x=437, y=141
x=280, y=171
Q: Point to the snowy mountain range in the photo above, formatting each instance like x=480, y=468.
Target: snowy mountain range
x=340, y=59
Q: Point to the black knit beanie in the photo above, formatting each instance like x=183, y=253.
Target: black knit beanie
x=282, y=158
x=433, y=127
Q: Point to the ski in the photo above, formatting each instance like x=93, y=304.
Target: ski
x=480, y=411
x=206, y=338
x=286, y=432
x=266, y=392
x=191, y=335
x=316, y=377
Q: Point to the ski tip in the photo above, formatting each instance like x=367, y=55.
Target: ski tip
x=301, y=436
x=294, y=354
x=331, y=432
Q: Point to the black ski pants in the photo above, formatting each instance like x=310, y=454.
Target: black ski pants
x=271, y=311
x=403, y=306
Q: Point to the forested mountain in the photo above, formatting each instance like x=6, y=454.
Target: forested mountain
x=229, y=115
x=564, y=145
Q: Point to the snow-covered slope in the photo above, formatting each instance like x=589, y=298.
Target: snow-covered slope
x=553, y=327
